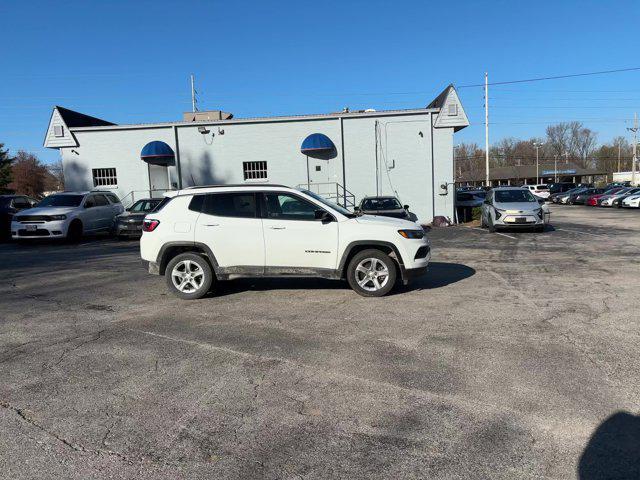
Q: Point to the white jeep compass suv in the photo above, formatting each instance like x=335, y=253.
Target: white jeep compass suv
x=201, y=235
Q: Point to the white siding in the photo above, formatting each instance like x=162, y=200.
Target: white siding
x=217, y=158
x=51, y=140
x=445, y=119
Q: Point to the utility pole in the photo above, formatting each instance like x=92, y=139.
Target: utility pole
x=555, y=168
x=486, y=127
x=618, y=159
x=193, y=95
x=634, y=129
x=537, y=147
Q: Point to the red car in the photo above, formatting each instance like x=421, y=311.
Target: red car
x=592, y=201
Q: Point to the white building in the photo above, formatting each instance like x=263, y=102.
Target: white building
x=407, y=153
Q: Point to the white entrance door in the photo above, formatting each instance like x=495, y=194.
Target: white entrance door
x=158, y=180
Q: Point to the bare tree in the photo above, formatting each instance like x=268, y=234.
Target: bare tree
x=558, y=138
x=29, y=174
x=56, y=182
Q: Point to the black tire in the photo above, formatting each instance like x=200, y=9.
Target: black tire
x=490, y=226
x=74, y=232
x=482, y=222
x=203, y=266
x=539, y=228
x=378, y=262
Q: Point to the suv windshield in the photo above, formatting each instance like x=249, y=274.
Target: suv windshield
x=512, y=196
x=330, y=204
x=61, y=201
x=381, y=204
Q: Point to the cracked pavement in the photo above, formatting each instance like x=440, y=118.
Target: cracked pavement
x=513, y=358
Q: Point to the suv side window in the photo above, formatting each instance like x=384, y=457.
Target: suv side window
x=101, y=200
x=241, y=205
x=112, y=197
x=289, y=207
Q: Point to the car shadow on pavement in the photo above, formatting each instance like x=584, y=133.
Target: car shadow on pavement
x=613, y=450
x=439, y=274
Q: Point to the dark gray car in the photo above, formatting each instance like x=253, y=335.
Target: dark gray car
x=385, y=207
x=129, y=223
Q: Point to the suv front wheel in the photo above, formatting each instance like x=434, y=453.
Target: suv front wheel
x=189, y=276
x=371, y=273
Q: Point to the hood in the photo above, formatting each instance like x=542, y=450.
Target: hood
x=388, y=221
x=518, y=206
x=47, y=211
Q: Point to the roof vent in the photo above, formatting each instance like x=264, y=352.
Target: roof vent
x=207, y=116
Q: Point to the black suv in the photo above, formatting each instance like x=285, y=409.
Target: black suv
x=9, y=206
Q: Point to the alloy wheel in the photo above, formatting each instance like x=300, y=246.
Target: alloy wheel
x=187, y=276
x=372, y=274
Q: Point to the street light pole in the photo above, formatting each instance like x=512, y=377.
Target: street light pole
x=555, y=168
x=486, y=127
x=537, y=147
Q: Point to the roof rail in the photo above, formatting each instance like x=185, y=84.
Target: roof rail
x=247, y=185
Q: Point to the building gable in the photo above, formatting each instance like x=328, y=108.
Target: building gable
x=58, y=134
x=451, y=112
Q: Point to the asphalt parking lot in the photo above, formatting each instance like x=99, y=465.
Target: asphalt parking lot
x=517, y=356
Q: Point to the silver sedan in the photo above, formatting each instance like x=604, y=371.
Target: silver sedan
x=509, y=207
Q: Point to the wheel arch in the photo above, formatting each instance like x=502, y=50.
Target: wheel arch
x=355, y=247
x=171, y=249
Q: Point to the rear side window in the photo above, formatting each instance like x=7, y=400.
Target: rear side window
x=112, y=197
x=162, y=204
x=100, y=200
x=241, y=205
x=196, y=203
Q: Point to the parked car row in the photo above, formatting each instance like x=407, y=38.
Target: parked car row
x=609, y=196
x=70, y=215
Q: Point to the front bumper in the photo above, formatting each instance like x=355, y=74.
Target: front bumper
x=413, y=273
x=30, y=230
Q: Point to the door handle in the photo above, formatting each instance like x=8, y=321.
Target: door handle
x=277, y=228
x=211, y=224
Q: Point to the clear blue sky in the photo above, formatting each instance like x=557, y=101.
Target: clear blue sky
x=129, y=62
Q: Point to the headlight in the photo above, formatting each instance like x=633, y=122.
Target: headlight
x=412, y=233
x=498, y=212
x=58, y=217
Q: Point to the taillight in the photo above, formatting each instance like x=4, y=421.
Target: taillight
x=150, y=225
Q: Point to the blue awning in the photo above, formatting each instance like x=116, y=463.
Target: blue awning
x=317, y=144
x=158, y=153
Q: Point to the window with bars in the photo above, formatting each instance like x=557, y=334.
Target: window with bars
x=254, y=170
x=104, y=177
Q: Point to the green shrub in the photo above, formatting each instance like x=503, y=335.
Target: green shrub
x=476, y=213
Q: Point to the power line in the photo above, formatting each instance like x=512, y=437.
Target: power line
x=554, y=77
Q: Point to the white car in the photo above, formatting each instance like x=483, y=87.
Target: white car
x=509, y=207
x=631, y=202
x=199, y=236
x=541, y=190
x=67, y=215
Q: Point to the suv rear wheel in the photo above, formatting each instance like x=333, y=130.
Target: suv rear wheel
x=74, y=232
x=189, y=276
x=371, y=273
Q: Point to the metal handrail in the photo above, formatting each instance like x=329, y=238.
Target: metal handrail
x=326, y=190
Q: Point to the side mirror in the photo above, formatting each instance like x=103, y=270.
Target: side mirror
x=356, y=209
x=541, y=201
x=89, y=205
x=406, y=207
x=486, y=202
x=324, y=216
